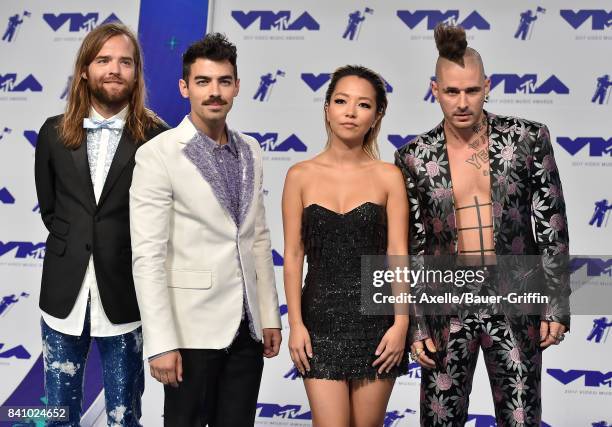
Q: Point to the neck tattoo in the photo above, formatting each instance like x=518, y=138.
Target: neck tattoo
x=480, y=144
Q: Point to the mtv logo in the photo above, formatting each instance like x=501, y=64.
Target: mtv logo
x=399, y=141
x=591, y=378
x=77, y=21
x=280, y=20
x=18, y=352
x=6, y=197
x=269, y=142
x=277, y=258
x=595, y=266
x=31, y=136
x=23, y=249
x=273, y=410
x=600, y=19
x=451, y=17
x=528, y=83
x=597, y=146
x=8, y=83
x=317, y=81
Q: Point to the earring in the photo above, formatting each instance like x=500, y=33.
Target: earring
x=486, y=98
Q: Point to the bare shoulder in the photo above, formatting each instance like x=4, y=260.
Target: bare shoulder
x=388, y=172
x=301, y=168
x=300, y=172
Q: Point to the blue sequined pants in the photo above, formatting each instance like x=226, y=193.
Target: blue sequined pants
x=65, y=357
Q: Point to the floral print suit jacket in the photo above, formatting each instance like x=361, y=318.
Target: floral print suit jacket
x=525, y=186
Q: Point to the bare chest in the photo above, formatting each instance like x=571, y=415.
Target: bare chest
x=469, y=167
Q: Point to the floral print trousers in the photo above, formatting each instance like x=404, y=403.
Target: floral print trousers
x=514, y=374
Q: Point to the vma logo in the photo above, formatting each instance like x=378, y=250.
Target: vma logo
x=600, y=19
x=10, y=83
x=474, y=20
x=598, y=147
x=528, y=84
x=273, y=410
x=591, y=378
x=6, y=197
x=269, y=142
x=596, y=267
x=23, y=249
x=77, y=22
x=281, y=20
x=399, y=141
x=317, y=81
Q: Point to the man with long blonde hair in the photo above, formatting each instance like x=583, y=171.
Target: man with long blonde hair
x=83, y=167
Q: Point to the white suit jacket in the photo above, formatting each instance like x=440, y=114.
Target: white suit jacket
x=188, y=254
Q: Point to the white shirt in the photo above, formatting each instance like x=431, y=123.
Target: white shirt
x=101, y=147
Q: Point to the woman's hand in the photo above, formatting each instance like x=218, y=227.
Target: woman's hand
x=300, y=347
x=391, y=348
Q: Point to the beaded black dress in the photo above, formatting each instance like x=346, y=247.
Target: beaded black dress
x=343, y=339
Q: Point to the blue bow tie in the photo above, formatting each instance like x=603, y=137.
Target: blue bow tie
x=103, y=124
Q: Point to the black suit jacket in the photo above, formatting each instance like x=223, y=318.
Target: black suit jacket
x=78, y=227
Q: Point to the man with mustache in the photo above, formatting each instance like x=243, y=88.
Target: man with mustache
x=475, y=183
x=201, y=252
x=83, y=166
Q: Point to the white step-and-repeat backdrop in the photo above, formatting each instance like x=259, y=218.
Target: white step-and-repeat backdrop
x=555, y=68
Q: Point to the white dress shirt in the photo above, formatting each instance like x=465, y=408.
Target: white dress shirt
x=101, y=147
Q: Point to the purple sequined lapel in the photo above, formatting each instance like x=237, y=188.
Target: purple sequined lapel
x=247, y=174
x=201, y=155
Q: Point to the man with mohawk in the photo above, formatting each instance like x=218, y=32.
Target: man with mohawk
x=475, y=184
